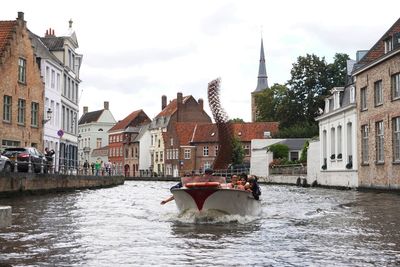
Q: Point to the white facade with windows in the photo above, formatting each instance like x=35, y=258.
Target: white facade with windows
x=338, y=143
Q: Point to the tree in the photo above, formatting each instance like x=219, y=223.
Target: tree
x=237, y=151
x=236, y=120
x=337, y=71
x=280, y=151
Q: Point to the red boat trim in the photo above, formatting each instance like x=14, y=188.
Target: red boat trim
x=200, y=195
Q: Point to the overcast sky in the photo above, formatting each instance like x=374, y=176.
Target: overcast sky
x=136, y=51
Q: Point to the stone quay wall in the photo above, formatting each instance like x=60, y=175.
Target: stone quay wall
x=19, y=183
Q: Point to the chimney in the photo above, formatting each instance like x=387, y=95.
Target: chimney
x=163, y=102
x=201, y=103
x=85, y=110
x=106, y=105
x=21, y=15
x=49, y=32
x=179, y=98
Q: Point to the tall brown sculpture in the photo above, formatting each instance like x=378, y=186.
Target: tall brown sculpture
x=224, y=156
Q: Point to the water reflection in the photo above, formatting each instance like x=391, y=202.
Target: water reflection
x=126, y=225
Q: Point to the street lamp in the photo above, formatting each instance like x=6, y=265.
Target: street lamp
x=48, y=113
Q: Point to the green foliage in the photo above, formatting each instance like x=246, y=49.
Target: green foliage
x=301, y=130
x=237, y=151
x=280, y=151
x=303, y=156
x=296, y=104
x=236, y=120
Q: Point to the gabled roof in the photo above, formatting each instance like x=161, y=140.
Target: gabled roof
x=6, y=30
x=184, y=131
x=41, y=49
x=90, y=117
x=171, y=108
x=378, y=50
x=129, y=120
x=245, y=131
x=294, y=143
x=53, y=43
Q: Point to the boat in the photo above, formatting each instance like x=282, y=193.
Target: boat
x=198, y=195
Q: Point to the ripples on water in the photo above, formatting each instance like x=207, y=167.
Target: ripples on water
x=126, y=225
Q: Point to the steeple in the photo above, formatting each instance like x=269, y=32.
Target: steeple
x=262, y=82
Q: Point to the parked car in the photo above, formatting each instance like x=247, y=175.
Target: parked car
x=22, y=155
x=5, y=164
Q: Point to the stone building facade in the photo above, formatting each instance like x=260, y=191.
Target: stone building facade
x=378, y=94
x=21, y=87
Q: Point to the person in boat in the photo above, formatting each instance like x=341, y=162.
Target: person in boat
x=170, y=198
x=254, y=187
x=234, y=181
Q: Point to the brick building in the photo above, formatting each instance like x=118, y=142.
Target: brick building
x=130, y=128
x=21, y=87
x=180, y=109
x=378, y=95
x=194, y=146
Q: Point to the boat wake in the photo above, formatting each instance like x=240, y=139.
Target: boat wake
x=212, y=217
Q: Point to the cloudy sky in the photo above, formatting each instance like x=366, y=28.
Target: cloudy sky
x=136, y=51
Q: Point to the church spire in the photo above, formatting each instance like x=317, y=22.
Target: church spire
x=262, y=82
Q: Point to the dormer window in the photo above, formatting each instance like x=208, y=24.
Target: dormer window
x=352, y=94
x=388, y=45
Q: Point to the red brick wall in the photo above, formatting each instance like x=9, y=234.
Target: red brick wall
x=32, y=91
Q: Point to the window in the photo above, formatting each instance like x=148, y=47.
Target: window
x=396, y=139
x=159, y=142
x=363, y=101
x=352, y=94
x=205, y=151
x=388, y=45
x=379, y=142
x=187, y=153
x=156, y=156
x=216, y=150
x=22, y=70
x=396, y=86
x=207, y=165
x=58, y=82
x=161, y=156
x=339, y=142
x=378, y=93
x=126, y=153
x=247, y=150
x=10, y=143
x=294, y=155
x=136, y=152
x=364, y=144
x=35, y=114
x=172, y=141
x=21, y=111
x=53, y=79
x=98, y=142
x=7, y=108
x=333, y=146
x=47, y=76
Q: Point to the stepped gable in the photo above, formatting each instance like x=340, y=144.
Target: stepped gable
x=6, y=32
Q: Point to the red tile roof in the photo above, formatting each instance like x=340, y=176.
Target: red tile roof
x=378, y=49
x=245, y=131
x=184, y=131
x=6, y=29
x=171, y=108
x=128, y=120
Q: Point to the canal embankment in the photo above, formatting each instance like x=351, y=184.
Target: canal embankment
x=25, y=183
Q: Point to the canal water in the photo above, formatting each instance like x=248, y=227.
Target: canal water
x=127, y=226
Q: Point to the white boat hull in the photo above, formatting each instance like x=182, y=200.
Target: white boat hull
x=227, y=201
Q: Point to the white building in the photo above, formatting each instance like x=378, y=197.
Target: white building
x=337, y=148
x=93, y=131
x=67, y=85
